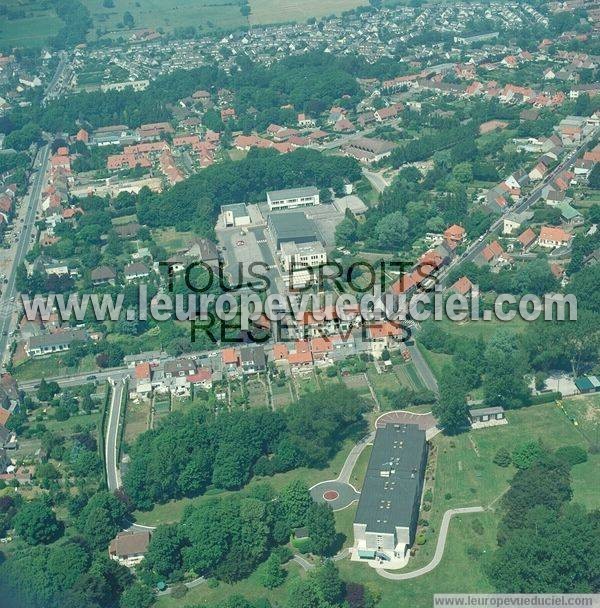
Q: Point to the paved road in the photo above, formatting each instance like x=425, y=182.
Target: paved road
x=439, y=550
x=377, y=180
x=10, y=290
x=353, y=457
x=117, y=373
x=54, y=87
x=113, y=477
x=423, y=368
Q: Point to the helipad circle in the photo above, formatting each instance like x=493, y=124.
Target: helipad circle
x=330, y=495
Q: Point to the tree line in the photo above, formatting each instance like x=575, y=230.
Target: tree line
x=193, y=451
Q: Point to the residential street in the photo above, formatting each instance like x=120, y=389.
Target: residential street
x=113, y=476
x=9, y=294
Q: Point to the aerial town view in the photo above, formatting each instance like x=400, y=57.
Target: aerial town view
x=299, y=303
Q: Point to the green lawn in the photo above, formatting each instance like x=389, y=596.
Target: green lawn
x=583, y=411
x=360, y=468
x=251, y=588
x=67, y=426
x=171, y=240
x=481, y=329
x=48, y=367
x=436, y=361
x=343, y=523
x=586, y=481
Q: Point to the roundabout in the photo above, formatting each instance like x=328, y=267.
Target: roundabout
x=334, y=493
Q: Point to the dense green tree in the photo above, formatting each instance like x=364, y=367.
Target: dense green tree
x=164, y=552
x=505, y=364
x=502, y=457
x=392, y=231
x=527, y=454
x=451, y=410
x=535, y=559
x=101, y=519
x=36, y=522
x=294, y=502
x=271, y=573
x=545, y=483
x=321, y=528
x=137, y=596
x=594, y=177
x=47, y=390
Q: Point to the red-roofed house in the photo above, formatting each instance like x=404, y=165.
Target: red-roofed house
x=230, y=359
x=280, y=352
x=383, y=335
x=492, y=253
x=527, y=238
x=201, y=379
x=143, y=379
x=455, y=233
x=463, y=286
x=551, y=237
x=321, y=348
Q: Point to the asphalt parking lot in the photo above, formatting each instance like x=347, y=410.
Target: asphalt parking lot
x=240, y=250
x=326, y=217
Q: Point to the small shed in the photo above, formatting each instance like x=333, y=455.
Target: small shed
x=301, y=533
x=587, y=384
x=486, y=414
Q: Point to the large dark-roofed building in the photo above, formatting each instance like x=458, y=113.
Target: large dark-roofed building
x=388, y=509
x=292, y=227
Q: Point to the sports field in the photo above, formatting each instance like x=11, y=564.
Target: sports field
x=270, y=11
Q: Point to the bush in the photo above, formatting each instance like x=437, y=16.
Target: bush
x=447, y=496
x=527, y=454
x=545, y=398
x=502, y=458
x=178, y=591
x=303, y=545
x=421, y=540
x=284, y=554
x=428, y=496
x=571, y=455
x=477, y=527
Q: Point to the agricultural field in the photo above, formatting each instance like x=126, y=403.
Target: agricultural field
x=268, y=11
x=165, y=14
x=34, y=26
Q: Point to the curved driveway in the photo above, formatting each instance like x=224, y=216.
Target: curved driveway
x=439, y=550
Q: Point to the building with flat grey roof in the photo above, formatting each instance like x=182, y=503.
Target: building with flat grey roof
x=388, y=509
x=293, y=198
x=291, y=227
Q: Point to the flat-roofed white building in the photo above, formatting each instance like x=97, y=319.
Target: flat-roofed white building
x=297, y=259
x=388, y=508
x=235, y=215
x=302, y=255
x=293, y=198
